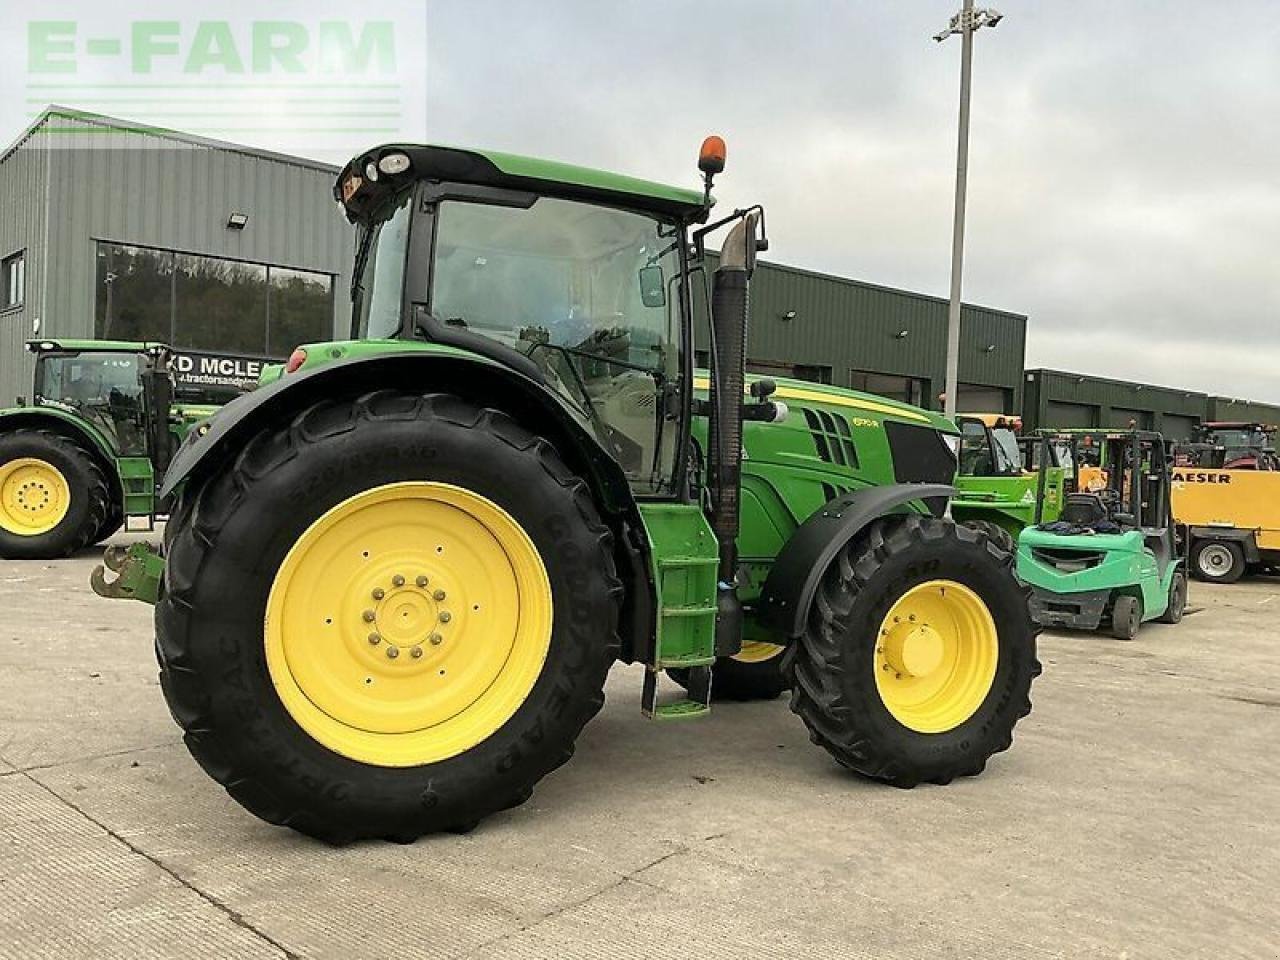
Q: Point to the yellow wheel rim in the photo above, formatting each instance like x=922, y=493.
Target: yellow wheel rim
x=757, y=651
x=34, y=497
x=936, y=654
x=408, y=624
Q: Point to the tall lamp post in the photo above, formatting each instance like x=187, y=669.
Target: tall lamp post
x=964, y=23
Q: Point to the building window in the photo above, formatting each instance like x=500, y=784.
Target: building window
x=13, y=280
x=906, y=389
x=209, y=303
x=796, y=371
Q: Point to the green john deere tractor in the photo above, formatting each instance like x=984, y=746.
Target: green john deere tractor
x=396, y=576
x=87, y=452
x=997, y=491
x=1112, y=557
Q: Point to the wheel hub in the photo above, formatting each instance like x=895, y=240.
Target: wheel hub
x=408, y=623
x=914, y=649
x=34, y=496
x=935, y=656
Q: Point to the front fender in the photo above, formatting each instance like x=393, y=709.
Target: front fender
x=793, y=581
x=474, y=378
x=58, y=421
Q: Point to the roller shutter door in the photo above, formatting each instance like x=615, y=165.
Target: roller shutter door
x=1178, y=428
x=1069, y=415
x=1120, y=417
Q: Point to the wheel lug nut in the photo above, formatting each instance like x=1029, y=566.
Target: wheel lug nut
x=369, y=616
x=378, y=593
x=397, y=581
x=393, y=652
x=912, y=618
x=416, y=652
x=439, y=595
x=445, y=616
x=436, y=639
x=374, y=639
x=421, y=582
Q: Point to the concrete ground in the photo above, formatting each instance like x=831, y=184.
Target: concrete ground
x=1137, y=815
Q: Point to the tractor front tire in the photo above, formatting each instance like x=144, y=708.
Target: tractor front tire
x=53, y=496
x=918, y=654
x=998, y=535
x=391, y=616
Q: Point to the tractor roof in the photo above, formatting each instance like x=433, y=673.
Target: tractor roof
x=88, y=346
x=514, y=172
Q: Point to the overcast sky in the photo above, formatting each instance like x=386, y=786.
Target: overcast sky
x=1125, y=169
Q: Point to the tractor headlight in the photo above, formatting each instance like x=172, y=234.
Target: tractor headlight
x=371, y=172
x=394, y=163
x=953, y=444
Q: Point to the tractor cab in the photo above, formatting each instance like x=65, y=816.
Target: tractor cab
x=1231, y=445
x=1112, y=554
x=997, y=492
x=122, y=390
x=989, y=445
x=578, y=279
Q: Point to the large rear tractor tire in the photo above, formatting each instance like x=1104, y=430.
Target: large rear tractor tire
x=53, y=496
x=390, y=617
x=755, y=673
x=918, y=655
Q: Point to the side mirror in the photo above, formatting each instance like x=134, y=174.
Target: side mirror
x=653, y=286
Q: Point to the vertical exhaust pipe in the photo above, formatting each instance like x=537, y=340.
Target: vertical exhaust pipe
x=729, y=306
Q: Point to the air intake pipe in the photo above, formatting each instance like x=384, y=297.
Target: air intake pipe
x=729, y=305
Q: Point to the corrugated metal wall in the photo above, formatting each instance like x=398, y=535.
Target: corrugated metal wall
x=1054, y=398
x=1226, y=408
x=23, y=220
x=151, y=191
x=850, y=325
x=143, y=188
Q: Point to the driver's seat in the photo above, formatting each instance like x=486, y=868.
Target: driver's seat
x=1083, y=509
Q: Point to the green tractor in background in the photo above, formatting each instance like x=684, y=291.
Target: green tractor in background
x=997, y=491
x=1112, y=558
x=86, y=454
x=396, y=577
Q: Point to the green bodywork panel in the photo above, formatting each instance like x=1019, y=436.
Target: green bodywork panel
x=684, y=557
x=1126, y=565
x=553, y=171
x=138, y=482
x=832, y=442
x=13, y=419
x=1009, y=501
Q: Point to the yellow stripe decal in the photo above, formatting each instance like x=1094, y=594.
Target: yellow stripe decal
x=831, y=399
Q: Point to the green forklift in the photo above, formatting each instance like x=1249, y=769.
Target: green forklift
x=997, y=491
x=86, y=453
x=1112, y=557
x=396, y=576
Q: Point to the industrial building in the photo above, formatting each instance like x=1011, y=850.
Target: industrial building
x=886, y=341
x=1054, y=398
x=110, y=229
x=113, y=230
